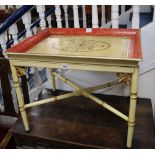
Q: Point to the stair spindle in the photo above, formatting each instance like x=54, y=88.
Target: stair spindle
x=58, y=16
x=13, y=30
x=135, y=18
x=18, y=6
x=2, y=7
x=3, y=41
x=84, y=16
x=94, y=16
x=65, y=7
x=10, y=7
x=27, y=22
x=103, y=15
x=41, y=11
x=49, y=19
x=115, y=16
x=34, y=29
x=122, y=9
x=76, y=16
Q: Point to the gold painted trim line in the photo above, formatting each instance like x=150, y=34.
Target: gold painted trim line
x=131, y=123
x=133, y=95
x=16, y=84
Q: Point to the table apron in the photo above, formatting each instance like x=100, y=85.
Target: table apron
x=76, y=66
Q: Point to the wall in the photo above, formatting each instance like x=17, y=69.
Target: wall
x=147, y=77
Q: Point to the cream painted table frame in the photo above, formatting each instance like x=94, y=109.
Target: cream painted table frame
x=128, y=67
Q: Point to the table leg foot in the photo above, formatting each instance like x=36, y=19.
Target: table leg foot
x=30, y=129
x=130, y=136
x=135, y=144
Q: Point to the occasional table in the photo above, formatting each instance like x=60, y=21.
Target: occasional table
x=103, y=50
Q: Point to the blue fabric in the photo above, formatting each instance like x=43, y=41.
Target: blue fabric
x=145, y=18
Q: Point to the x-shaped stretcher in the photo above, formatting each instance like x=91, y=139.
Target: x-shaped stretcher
x=81, y=91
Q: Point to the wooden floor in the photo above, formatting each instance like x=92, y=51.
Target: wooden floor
x=78, y=122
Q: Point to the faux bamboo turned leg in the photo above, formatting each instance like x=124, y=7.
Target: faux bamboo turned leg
x=132, y=108
x=19, y=97
x=53, y=80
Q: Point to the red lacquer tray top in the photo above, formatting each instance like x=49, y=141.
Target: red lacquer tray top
x=133, y=43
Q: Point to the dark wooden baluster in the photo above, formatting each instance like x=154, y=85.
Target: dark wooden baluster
x=6, y=88
x=108, y=12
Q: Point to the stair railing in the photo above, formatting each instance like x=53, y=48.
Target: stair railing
x=11, y=23
x=10, y=28
x=8, y=106
x=135, y=18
